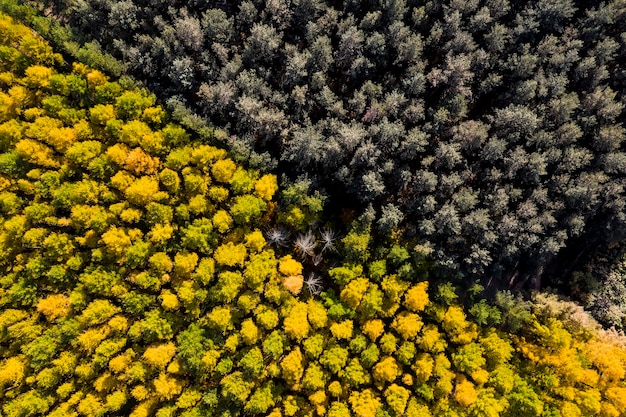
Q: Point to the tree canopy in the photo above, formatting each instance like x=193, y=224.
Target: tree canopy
x=144, y=272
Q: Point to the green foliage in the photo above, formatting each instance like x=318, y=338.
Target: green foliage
x=497, y=136
x=127, y=290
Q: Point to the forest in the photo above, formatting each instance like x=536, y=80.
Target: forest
x=312, y=208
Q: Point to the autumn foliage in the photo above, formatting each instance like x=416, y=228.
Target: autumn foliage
x=136, y=280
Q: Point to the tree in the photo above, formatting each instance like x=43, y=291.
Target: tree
x=230, y=254
x=54, y=306
x=261, y=400
x=142, y=191
x=334, y=358
x=386, y=370
x=296, y=324
x=397, y=398
x=364, y=403
x=292, y=367
x=407, y=325
x=416, y=298
x=159, y=356
x=247, y=208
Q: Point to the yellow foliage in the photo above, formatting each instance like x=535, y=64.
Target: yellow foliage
x=140, y=163
x=54, y=306
x=589, y=401
x=569, y=409
x=465, y=393
x=364, y=403
x=185, y=263
x=222, y=221
x=342, y=330
x=423, y=367
x=223, y=170
x=353, y=293
x=432, y=340
x=617, y=397
x=394, y=287
x=175, y=366
x=415, y=409
x=118, y=324
x=458, y=328
x=153, y=115
x=159, y=356
x=230, y=254
x=143, y=410
x=608, y=410
x=198, y=205
x=142, y=191
x=397, y=398
x=249, y=332
x=33, y=113
x=37, y=76
x=386, y=370
x=218, y=194
x=416, y=298
x=318, y=397
x=169, y=301
x=317, y=314
x=117, y=153
x=130, y=215
x=289, y=266
x=209, y=359
x=65, y=390
x=296, y=324
x=105, y=382
x=255, y=241
x=90, y=339
x=116, y=241
x=275, y=413
x=161, y=233
x=90, y=405
x=407, y=325
x=274, y=292
x=139, y=392
x=122, y=180
x=335, y=389
x=61, y=138
x=373, y=329
x=590, y=377
x=65, y=363
x=98, y=311
x=186, y=292
x=266, y=317
x=100, y=114
x=266, y=186
x=293, y=283
x=161, y=262
x=232, y=342
x=12, y=371
x=292, y=366
x=408, y=380
x=167, y=387
x=121, y=362
x=291, y=405
x=116, y=400
x=36, y=153
x=220, y=318
x=607, y=358
x=95, y=78
x=497, y=350
x=480, y=376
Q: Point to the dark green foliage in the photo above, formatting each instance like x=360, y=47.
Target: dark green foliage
x=493, y=131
